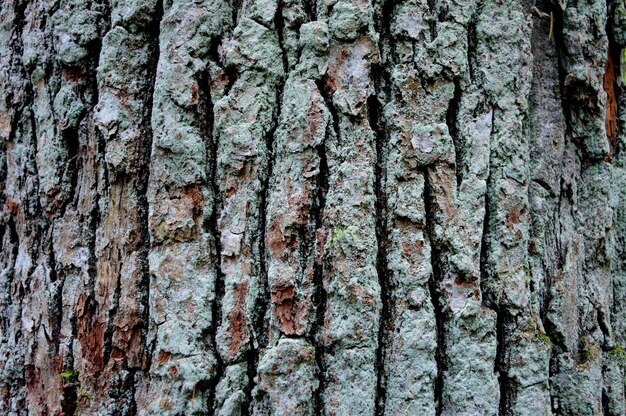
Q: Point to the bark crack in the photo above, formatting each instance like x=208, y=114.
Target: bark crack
x=453, y=128
x=382, y=268
x=435, y=295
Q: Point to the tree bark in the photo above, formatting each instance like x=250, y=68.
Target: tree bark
x=313, y=207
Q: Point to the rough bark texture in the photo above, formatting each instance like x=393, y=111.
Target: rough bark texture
x=313, y=207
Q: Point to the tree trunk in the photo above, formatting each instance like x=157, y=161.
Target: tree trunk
x=313, y=207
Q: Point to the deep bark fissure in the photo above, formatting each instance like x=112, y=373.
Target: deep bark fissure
x=155, y=34
x=318, y=274
x=327, y=95
x=310, y=9
x=321, y=295
x=385, y=321
x=452, y=116
x=435, y=295
x=501, y=366
x=485, y=269
x=210, y=225
x=259, y=321
x=216, y=312
x=557, y=22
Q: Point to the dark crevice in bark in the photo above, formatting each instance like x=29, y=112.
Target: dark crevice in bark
x=70, y=174
x=432, y=18
x=213, y=228
x=318, y=273
x=279, y=23
x=435, y=295
x=310, y=8
x=259, y=332
x=56, y=311
x=605, y=403
x=501, y=365
x=236, y=8
x=376, y=122
x=69, y=403
x=155, y=35
x=321, y=296
x=381, y=79
x=487, y=300
x=490, y=300
x=327, y=94
x=386, y=46
x=453, y=128
x=566, y=93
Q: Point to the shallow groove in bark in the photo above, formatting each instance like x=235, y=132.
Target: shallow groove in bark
x=435, y=295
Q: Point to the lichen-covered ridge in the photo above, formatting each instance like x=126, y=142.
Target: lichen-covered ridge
x=313, y=207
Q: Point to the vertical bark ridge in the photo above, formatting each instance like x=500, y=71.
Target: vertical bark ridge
x=505, y=256
x=244, y=128
x=287, y=371
x=350, y=279
x=122, y=243
x=180, y=196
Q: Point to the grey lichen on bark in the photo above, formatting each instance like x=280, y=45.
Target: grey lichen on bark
x=313, y=207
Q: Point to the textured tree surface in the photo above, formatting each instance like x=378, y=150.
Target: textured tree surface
x=312, y=207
